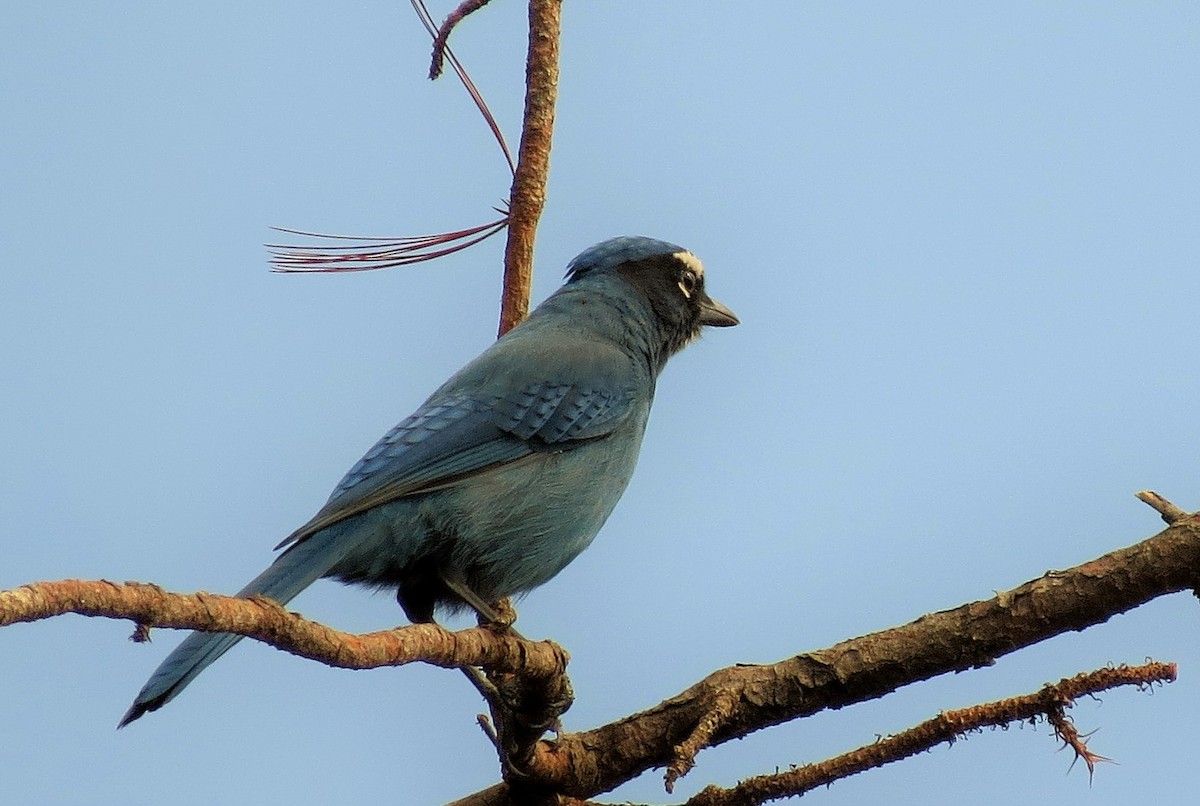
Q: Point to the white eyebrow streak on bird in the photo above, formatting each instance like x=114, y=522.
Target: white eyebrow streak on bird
x=690, y=261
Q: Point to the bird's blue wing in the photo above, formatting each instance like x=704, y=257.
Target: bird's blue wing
x=560, y=414
x=456, y=436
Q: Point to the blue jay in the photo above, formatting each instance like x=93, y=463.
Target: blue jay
x=506, y=473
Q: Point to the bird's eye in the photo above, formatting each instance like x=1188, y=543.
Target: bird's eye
x=687, y=283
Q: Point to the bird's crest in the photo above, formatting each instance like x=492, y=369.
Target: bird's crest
x=609, y=254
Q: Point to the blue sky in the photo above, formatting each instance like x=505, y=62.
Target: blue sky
x=962, y=241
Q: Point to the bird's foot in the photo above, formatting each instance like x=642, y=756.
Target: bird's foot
x=499, y=615
x=502, y=616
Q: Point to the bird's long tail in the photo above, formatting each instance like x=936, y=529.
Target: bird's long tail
x=292, y=572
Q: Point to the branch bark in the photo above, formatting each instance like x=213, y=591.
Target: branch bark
x=973, y=635
x=528, y=195
x=269, y=622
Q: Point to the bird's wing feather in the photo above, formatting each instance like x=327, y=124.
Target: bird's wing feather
x=456, y=436
x=561, y=413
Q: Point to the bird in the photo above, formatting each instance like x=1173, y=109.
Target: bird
x=509, y=469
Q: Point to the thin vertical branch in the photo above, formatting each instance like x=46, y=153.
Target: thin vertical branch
x=528, y=195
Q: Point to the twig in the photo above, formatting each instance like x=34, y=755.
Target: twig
x=1169, y=512
x=1049, y=703
x=442, y=35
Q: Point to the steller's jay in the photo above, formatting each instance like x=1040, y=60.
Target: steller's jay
x=506, y=473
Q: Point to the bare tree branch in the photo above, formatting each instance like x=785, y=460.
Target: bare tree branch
x=265, y=620
x=528, y=195
x=973, y=635
x=1049, y=703
x=729, y=703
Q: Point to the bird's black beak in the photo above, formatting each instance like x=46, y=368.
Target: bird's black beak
x=715, y=314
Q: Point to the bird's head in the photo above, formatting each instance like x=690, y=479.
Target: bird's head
x=669, y=277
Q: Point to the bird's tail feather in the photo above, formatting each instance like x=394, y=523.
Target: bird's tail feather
x=292, y=572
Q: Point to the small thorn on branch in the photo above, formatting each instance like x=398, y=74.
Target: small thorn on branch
x=1065, y=730
x=1169, y=512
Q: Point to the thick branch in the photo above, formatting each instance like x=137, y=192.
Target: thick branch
x=267, y=621
x=864, y=668
x=528, y=195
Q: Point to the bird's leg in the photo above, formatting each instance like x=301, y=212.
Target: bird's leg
x=485, y=688
x=505, y=704
x=488, y=614
x=417, y=596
